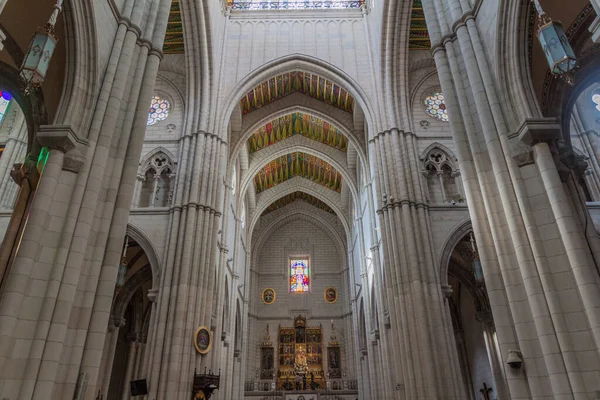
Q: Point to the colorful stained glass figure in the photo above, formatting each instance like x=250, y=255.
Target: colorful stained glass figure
x=299, y=280
x=5, y=99
x=159, y=110
x=436, y=107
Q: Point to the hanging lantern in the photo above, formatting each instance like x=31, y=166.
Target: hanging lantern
x=122, y=271
x=559, y=53
x=38, y=57
x=476, y=263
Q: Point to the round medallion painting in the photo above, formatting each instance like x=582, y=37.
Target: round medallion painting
x=268, y=296
x=331, y=295
x=202, y=340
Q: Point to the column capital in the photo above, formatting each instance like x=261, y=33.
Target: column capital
x=542, y=130
x=152, y=294
x=59, y=137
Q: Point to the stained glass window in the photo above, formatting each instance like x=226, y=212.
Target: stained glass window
x=293, y=4
x=299, y=279
x=436, y=107
x=5, y=99
x=159, y=110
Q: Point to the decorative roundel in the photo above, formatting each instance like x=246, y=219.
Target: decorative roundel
x=269, y=296
x=159, y=110
x=436, y=107
x=331, y=295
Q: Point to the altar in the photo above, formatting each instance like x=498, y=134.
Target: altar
x=301, y=397
x=300, y=353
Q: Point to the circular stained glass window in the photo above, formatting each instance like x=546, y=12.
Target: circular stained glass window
x=159, y=110
x=436, y=107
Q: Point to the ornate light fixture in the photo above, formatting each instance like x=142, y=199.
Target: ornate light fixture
x=37, y=60
x=476, y=263
x=559, y=53
x=123, y=265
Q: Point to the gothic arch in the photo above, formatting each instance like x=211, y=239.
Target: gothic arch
x=457, y=234
x=301, y=144
x=132, y=285
x=329, y=197
x=294, y=213
x=146, y=160
x=81, y=81
x=452, y=161
x=291, y=63
x=145, y=243
x=298, y=102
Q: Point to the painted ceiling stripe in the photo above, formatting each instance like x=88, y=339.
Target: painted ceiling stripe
x=298, y=164
x=304, y=82
x=297, y=124
x=298, y=196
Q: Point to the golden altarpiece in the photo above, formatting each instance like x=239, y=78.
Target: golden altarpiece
x=300, y=357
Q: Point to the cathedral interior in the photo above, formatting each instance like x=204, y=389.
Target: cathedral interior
x=300, y=199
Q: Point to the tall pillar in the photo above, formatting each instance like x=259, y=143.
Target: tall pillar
x=529, y=233
x=129, y=367
x=62, y=281
x=416, y=306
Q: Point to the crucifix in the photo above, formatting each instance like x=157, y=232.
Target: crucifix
x=486, y=392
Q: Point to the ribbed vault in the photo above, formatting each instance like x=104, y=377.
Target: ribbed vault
x=174, y=36
x=297, y=123
x=298, y=164
x=297, y=196
x=285, y=84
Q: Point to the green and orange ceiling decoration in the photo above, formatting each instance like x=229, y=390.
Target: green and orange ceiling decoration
x=311, y=85
x=298, y=164
x=297, y=124
x=174, y=36
x=419, y=36
x=298, y=196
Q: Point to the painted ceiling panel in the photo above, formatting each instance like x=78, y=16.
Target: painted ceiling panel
x=297, y=124
x=174, y=36
x=298, y=164
x=290, y=198
x=419, y=36
x=303, y=82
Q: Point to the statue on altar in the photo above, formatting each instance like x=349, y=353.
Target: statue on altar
x=300, y=364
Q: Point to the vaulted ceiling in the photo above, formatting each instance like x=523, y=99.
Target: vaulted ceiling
x=174, y=36
x=298, y=164
x=419, y=36
x=297, y=124
x=298, y=196
x=303, y=82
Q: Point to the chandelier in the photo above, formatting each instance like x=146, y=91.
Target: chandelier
x=37, y=60
x=559, y=53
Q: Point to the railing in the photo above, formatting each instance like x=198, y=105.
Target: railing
x=295, y=5
x=329, y=395
x=273, y=396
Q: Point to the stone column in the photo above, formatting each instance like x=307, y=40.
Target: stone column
x=139, y=183
x=413, y=283
x=154, y=190
x=109, y=355
x=595, y=26
x=129, y=369
x=440, y=175
x=459, y=184
x=39, y=246
x=523, y=219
